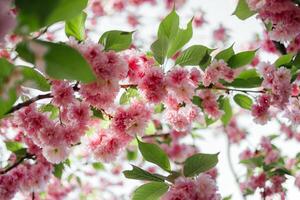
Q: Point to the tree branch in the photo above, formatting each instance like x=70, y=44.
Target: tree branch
x=229, y=159
x=28, y=102
x=156, y=135
x=27, y=156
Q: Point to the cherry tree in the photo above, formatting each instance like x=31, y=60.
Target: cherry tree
x=76, y=113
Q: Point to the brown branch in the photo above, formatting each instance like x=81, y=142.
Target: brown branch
x=28, y=102
x=163, y=135
x=27, y=156
x=34, y=99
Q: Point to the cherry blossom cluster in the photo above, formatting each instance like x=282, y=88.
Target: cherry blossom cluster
x=269, y=184
x=28, y=176
x=201, y=188
x=278, y=88
x=126, y=123
x=56, y=136
x=109, y=69
x=282, y=14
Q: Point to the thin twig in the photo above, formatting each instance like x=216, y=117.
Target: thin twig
x=28, y=102
x=27, y=156
x=229, y=159
x=163, y=135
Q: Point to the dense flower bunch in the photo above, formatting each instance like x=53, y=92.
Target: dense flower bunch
x=283, y=14
x=203, y=187
x=72, y=106
x=270, y=181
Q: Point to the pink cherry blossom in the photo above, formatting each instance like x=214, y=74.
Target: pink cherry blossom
x=153, y=85
x=62, y=92
x=56, y=154
x=106, y=145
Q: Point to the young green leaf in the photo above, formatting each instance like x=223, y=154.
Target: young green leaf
x=226, y=54
x=37, y=14
x=160, y=49
x=34, y=79
x=241, y=59
x=199, y=163
x=283, y=60
x=72, y=65
x=182, y=37
x=13, y=146
x=98, y=166
x=243, y=101
x=8, y=98
x=169, y=26
x=192, y=55
x=154, y=154
x=242, y=10
x=58, y=170
x=116, y=40
x=150, y=191
x=226, y=107
x=75, y=27
x=128, y=95
x=246, y=79
x=140, y=174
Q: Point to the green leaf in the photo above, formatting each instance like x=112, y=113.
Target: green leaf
x=257, y=161
x=241, y=59
x=8, y=95
x=243, y=101
x=159, y=49
x=128, y=95
x=154, y=154
x=34, y=79
x=98, y=166
x=199, y=163
x=246, y=79
x=37, y=14
x=116, y=40
x=131, y=155
x=283, y=60
x=226, y=107
x=97, y=113
x=76, y=27
x=197, y=101
x=296, y=61
x=140, y=174
x=226, y=54
x=14, y=146
x=71, y=65
x=242, y=10
x=159, y=108
x=205, y=61
x=150, y=191
x=227, y=197
x=170, y=38
x=192, y=55
x=58, y=170
x=182, y=37
x=50, y=108
x=169, y=26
